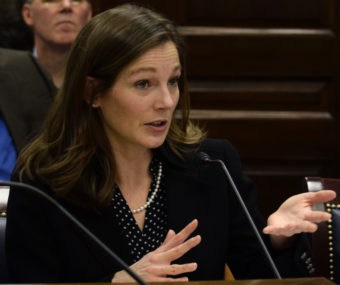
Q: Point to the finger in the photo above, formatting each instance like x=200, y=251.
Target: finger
x=163, y=247
x=280, y=231
x=172, y=269
x=322, y=196
x=274, y=230
x=267, y=230
x=167, y=279
x=182, y=235
x=170, y=235
x=318, y=216
x=178, y=251
x=291, y=229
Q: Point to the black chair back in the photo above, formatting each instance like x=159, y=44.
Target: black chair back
x=326, y=240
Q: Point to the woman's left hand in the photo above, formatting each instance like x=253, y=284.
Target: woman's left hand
x=295, y=215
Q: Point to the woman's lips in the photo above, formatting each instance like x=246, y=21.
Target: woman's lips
x=158, y=125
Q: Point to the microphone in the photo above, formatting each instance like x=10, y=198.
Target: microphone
x=115, y=257
x=205, y=157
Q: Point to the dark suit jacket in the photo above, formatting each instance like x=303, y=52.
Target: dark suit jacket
x=43, y=246
x=26, y=92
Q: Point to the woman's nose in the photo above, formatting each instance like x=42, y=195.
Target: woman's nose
x=167, y=98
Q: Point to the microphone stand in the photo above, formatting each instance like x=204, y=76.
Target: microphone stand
x=205, y=157
x=115, y=257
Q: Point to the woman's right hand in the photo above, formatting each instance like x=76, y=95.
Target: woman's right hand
x=156, y=265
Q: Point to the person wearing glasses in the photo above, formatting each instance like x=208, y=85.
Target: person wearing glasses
x=119, y=151
x=29, y=81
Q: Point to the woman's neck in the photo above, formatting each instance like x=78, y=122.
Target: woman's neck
x=134, y=180
x=132, y=169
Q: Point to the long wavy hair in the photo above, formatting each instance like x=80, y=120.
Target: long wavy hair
x=72, y=154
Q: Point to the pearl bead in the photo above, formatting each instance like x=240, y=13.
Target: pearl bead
x=150, y=200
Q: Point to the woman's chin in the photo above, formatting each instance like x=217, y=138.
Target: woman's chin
x=156, y=143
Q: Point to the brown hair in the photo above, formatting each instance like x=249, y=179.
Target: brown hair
x=73, y=154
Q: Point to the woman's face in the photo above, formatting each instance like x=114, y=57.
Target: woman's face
x=137, y=110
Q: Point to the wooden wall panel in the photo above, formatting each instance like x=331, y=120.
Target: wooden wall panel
x=239, y=13
x=262, y=13
x=222, y=52
x=265, y=75
x=261, y=95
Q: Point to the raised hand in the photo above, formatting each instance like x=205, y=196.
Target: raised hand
x=156, y=266
x=295, y=215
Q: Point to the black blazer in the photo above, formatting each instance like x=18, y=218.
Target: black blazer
x=43, y=246
x=26, y=92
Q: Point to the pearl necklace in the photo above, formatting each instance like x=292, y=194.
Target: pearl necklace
x=150, y=200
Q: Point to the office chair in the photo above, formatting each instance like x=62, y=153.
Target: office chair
x=326, y=240
x=4, y=190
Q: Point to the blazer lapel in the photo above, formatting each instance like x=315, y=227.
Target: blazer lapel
x=187, y=186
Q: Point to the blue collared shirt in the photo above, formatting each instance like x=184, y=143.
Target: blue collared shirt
x=8, y=154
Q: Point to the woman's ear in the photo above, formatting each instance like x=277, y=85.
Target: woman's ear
x=90, y=94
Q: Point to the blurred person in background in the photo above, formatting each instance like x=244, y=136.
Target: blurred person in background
x=29, y=81
x=55, y=25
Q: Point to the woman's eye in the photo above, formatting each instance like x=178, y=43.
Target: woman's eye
x=174, y=81
x=142, y=84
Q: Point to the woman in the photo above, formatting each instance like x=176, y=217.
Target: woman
x=114, y=155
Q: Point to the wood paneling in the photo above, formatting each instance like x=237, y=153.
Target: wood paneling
x=261, y=95
x=265, y=75
x=216, y=53
x=239, y=13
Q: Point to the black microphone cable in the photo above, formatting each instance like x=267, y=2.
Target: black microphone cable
x=205, y=157
x=116, y=258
